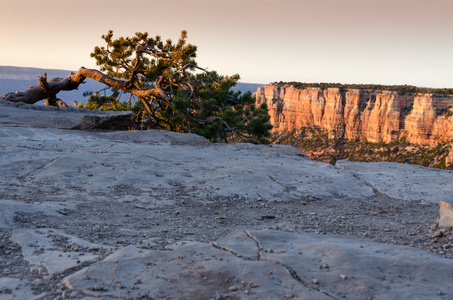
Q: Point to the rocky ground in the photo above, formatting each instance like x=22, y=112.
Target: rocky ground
x=378, y=218
x=158, y=215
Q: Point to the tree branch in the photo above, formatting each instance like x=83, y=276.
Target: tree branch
x=48, y=89
x=210, y=122
x=38, y=93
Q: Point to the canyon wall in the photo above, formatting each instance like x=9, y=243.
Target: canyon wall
x=357, y=114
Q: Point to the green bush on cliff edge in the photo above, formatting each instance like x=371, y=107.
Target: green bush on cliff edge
x=315, y=142
x=401, y=89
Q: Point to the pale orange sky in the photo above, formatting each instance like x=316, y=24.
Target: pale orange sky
x=346, y=41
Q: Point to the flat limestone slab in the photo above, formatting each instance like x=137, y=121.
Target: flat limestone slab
x=14, y=288
x=269, y=265
x=403, y=181
x=13, y=209
x=55, y=250
x=62, y=162
x=27, y=115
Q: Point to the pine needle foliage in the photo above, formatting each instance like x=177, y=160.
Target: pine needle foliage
x=174, y=93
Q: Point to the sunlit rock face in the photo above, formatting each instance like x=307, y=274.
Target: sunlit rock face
x=426, y=124
x=356, y=114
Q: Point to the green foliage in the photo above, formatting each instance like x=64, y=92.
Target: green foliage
x=407, y=110
x=98, y=101
x=446, y=112
x=315, y=142
x=232, y=116
x=143, y=56
x=401, y=89
x=173, y=93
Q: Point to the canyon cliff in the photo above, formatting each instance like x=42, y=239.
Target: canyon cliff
x=361, y=114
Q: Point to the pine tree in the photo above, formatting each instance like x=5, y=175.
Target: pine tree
x=171, y=90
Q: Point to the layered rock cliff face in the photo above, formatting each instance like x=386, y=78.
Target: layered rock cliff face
x=357, y=114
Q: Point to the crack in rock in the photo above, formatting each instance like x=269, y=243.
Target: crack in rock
x=224, y=248
x=29, y=174
x=260, y=257
x=375, y=189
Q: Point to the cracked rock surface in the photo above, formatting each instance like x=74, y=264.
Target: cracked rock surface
x=300, y=266
x=160, y=215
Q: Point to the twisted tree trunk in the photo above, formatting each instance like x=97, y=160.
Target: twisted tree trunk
x=49, y=89
x=45, y=90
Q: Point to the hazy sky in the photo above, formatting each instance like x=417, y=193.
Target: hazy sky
x=346, y=41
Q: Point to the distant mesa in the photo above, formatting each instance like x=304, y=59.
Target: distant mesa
x=373, y=115
x=349, y=116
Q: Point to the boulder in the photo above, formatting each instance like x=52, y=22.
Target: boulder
x=446, y=213
x=27, y=115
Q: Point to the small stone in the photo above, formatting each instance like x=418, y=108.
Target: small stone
x=41, y=270
x=271, y=251
x=233, y=288
x=438, y=233
x=342, y=276
x=326, y=266
x=315, y=281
